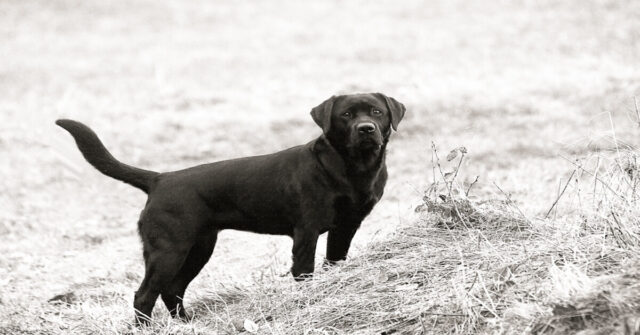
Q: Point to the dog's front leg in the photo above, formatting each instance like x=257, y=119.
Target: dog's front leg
x=338, y=243
x=304, y=252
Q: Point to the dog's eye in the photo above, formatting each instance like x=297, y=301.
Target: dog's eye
x=346, y=114
x=376, y=112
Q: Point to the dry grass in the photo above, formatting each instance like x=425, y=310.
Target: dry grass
x=534, y=229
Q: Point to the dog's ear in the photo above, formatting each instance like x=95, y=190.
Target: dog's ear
x=321, y=114
x=396, y=110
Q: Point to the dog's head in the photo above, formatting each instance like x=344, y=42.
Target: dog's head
x=359, y=124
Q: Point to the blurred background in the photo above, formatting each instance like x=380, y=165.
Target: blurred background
x=524, y=85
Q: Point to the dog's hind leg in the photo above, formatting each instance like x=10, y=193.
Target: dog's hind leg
x=199, y=255
x=162, y=265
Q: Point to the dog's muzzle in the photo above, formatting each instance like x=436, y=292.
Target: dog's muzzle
x=367, y=136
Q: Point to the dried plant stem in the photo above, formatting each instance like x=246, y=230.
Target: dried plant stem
x=635, y=103
x=466, y=193
x=508, y=197
x=455, y=174
x=560, y=195
x=613, y=134
x=433, y=167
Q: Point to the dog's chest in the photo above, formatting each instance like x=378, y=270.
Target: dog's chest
x=363, y=196
x=356, y=203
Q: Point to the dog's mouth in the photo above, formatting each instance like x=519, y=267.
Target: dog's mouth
x=368, y=144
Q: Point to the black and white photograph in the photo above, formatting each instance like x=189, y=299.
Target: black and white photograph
x=320, y=167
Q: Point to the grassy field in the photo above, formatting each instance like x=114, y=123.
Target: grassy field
x=541, y=94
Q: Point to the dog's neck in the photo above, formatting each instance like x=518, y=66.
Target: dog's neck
x=359, y=169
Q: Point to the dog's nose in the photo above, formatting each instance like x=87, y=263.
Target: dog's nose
x=366, y=127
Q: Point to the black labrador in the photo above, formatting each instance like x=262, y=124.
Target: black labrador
x=327, y=185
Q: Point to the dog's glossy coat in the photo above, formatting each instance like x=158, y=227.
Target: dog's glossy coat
x=329, y=184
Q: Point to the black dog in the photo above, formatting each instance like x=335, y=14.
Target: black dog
x=329, y=184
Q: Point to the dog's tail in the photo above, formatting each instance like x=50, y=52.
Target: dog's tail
x=97, y=155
